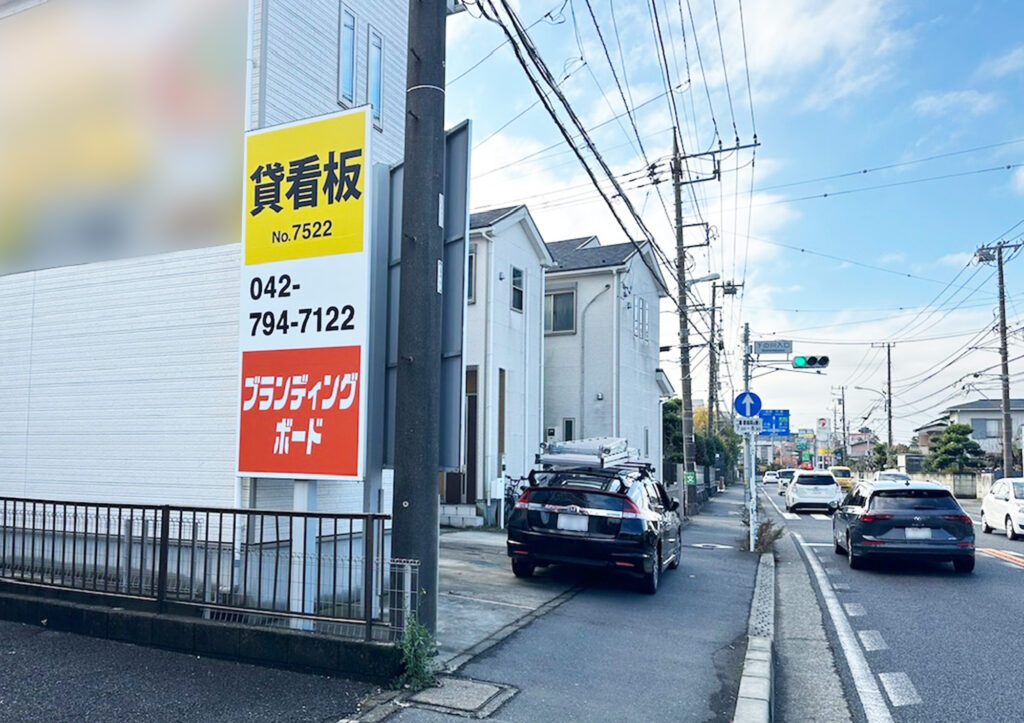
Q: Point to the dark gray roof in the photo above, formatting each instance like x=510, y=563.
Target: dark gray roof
x=940, y=422
x=988, y=405
x=484, y=219
x=568, y=257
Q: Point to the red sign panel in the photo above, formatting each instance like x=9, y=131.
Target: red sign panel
x=300, y=413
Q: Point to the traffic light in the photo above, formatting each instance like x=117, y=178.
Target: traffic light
x=810, y=362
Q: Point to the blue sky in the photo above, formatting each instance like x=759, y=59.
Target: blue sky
x=907, y=90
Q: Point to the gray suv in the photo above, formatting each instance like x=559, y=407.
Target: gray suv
x=903, y=519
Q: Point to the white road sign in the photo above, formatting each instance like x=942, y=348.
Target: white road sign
x=747, y=425
x=774, y=346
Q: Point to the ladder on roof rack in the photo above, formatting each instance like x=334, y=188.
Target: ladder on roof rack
x=595, y=453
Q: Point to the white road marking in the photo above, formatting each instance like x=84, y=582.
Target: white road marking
x=817, y=544
x=785, y=515
x=819, y=516
x=855, y=610
x=876, y=710
x=871, y=640
x=841, y=586
x=901, y=691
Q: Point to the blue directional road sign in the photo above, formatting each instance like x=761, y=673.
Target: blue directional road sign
x=775, y=422
x=747, y=404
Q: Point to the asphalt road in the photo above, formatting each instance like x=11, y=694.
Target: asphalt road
x=915, y=641
x=53, y=676
x=614, y=654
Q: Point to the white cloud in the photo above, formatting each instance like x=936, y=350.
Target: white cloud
x=1006, y=64
x=955, y=260
x=969, y=102
x=1018, y=181
x=892, y=258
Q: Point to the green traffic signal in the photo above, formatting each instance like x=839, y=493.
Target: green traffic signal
x=810, y=362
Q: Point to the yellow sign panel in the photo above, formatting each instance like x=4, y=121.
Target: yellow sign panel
x=304, y=189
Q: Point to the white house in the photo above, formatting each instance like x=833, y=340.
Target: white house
x=601, y=348
x=504, y=351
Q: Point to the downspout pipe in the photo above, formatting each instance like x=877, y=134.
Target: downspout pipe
x=583, y=355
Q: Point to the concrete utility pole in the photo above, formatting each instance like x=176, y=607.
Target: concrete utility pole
x=846, y=431
x=728, y=289
x=1004, y=374
x=985, y=255
x=686, y=391
x=416, y=515
x=888, y=394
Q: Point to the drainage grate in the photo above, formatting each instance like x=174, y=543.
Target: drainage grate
x=463, y=697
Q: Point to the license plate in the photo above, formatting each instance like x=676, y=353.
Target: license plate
x=576, y=523
x=919, y=533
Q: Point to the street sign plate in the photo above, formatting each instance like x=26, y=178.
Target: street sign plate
x=747, y=425
x=775, y=422
x=747, y=404
x=691, y=479
x=775, y=346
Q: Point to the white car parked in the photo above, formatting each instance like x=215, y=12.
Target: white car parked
x=1003, y=507
x=785, y=475
x=813, y=489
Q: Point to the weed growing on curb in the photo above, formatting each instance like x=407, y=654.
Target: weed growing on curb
x=418, y=648
x=767, y=535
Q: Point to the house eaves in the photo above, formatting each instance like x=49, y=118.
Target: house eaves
x=494, y=221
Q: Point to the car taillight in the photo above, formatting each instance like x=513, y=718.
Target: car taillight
x=524, y=501
x=875, y=518
x=629, y=508
x=965, y=519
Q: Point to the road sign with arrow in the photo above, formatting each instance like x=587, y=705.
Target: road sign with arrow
x=747, y=404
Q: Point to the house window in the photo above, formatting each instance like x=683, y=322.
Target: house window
x=517, y=289
x=986, y=428
x=375, y=83
x=560, y=312
x=568, y=430
x=471, y=276
x=641, y=318
x=347, y=59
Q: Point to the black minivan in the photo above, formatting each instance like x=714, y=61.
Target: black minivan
x=621, y=520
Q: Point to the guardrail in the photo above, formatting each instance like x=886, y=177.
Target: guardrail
x=323, y=572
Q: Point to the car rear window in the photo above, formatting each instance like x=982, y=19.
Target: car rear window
x=579, y=498
x=913, y=500
x=581, y=480
x=786, y=474
x=815, y=479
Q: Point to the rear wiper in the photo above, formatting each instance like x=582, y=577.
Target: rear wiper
x=925, y=507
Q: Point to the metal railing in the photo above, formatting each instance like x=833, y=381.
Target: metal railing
x=324, y=572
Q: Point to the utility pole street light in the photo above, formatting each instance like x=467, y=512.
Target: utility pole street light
x=985, y=255
x=888, y=409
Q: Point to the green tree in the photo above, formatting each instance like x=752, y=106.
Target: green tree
x=956, y=451
x=880, y=457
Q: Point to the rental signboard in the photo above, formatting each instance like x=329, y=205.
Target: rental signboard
x=304, y=299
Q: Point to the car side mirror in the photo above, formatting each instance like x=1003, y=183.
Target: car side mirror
x=673, y=505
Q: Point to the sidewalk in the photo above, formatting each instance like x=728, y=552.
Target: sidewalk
x=566, y=645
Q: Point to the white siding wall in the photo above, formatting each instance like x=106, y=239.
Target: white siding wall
x=572, y=379
x=516, y=346
x=299, y=58
x=625, y=380
x=120, y=380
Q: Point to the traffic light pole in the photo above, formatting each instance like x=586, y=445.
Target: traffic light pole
x=750, y=468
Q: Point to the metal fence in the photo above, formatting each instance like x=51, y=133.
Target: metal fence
x=324, y=572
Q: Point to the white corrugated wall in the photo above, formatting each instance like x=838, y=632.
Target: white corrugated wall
x=119, y=380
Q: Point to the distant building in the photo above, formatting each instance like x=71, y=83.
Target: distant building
x=601, y=351
x=985, y=418
x=929, y=434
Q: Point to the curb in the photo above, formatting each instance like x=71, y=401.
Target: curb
x=757, y=683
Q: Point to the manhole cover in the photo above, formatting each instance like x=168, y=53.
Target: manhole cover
x=464, y=697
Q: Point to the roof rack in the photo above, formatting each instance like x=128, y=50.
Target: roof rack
x=595, y=453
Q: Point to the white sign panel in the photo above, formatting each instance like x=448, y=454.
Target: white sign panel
x=747, y=425
x=305, y=299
